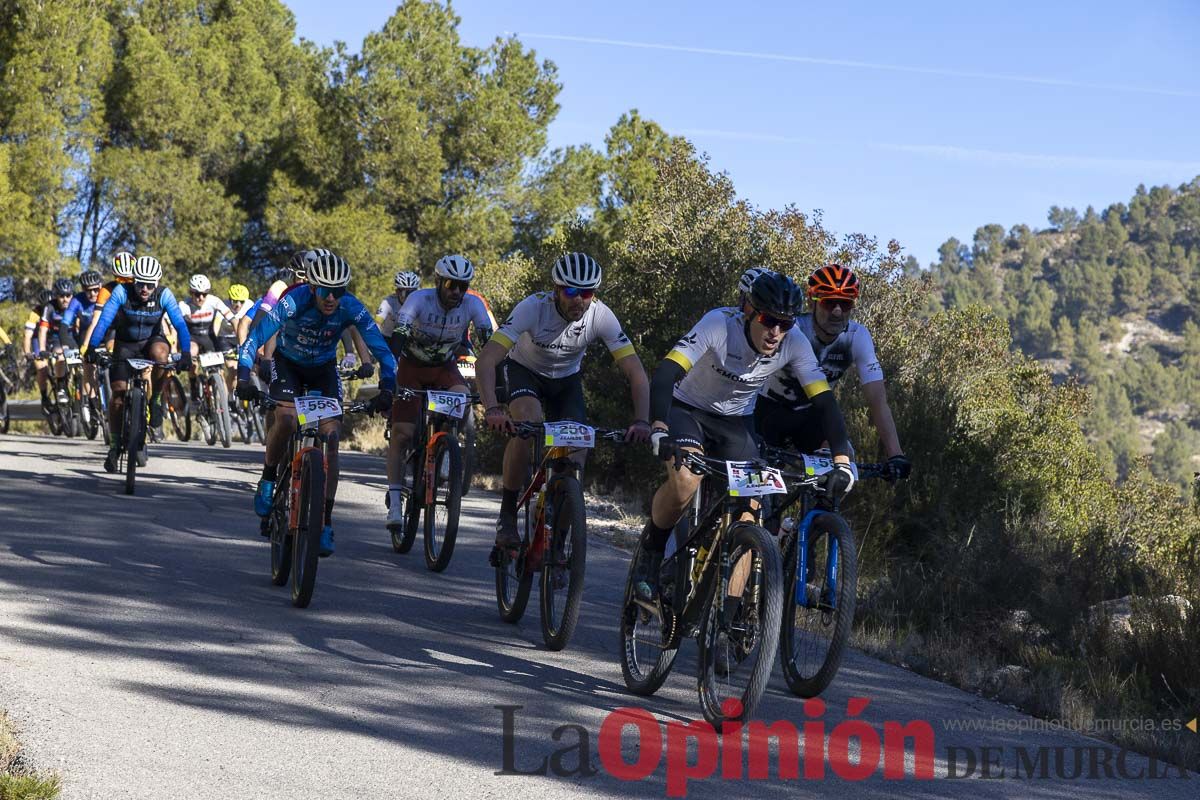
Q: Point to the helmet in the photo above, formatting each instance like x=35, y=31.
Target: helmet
x=239, y=293
x=777, y=294
x=90, y=279
x=45, y=297
x=299, y=263
x=833, y=281
x=576, y=269
x=200, y=283
x=122, y=265
x=147, y=270
x=456, y=268
x=64, y=287
x=747, y=279
x=408, y=280
x=326, y=269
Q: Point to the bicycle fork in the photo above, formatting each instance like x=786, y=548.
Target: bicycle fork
x=802, y=598
x=297, y=477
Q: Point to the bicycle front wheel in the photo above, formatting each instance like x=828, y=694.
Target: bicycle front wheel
x=441, y=517
x=221, y=406
x=564, y=562
x=135, y=433
x=648, y=647
x=307, y=545
x=737, y=650
x=818, y=610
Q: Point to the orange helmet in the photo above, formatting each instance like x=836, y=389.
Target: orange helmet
x=833, y=281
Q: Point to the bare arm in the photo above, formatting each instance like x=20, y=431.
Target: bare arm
x=881, y=417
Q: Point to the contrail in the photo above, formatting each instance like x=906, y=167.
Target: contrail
x=838, y=62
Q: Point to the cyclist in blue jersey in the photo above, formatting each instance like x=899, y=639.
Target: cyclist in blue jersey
x=135, y=313
x=308, y=322
x=78, y=319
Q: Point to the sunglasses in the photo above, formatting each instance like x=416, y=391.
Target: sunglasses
x=771, y=321
x=143, y=285
x=324, y=292
x=450, y=283
x=572, y=292
x=91, y=289
x=829, y=304
x=198, y=294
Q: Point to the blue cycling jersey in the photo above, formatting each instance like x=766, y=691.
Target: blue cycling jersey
x=136, y=321
x=309, y=338
x=80, y=309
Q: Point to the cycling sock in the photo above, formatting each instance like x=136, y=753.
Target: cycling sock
x=655, y=538
x=508, y=501
x=270, y=471
x=329, y=512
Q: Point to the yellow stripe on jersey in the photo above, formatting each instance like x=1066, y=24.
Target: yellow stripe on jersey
x=680, y=359
x=815, y=388
x=623, y=352
x=502, y=340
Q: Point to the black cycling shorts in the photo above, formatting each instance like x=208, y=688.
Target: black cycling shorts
x=205, y=343
x=562, y=398
x=120, y=369
x=779, y=425
x=290, y=380
x=719, y=436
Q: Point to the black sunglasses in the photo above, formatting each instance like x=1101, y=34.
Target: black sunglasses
x=830, y=303
x=772, y=321
x=329, y=291
x=450, y=283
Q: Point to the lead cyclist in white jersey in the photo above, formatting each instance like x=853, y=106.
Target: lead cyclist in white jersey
x=545, y=338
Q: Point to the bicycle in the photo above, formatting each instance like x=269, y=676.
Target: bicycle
x=297, y=512
x=213, y=413
x=710, y=557
x=132, y=451
x=7, y=386
x=177, y=408
x=67, y=392
x=437, y=475
x=818, y=611
x=553, y=525
x=100, y=401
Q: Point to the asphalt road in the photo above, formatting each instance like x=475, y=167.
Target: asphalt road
x=144, y=653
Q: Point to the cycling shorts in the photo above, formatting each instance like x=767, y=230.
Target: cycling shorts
x=717, y=435
x=561, y=398
x=411, y=374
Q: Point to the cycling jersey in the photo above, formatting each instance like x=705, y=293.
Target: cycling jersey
x=543, y=341
x=136, y=321
x=431, y=332
x=309, y=338
x=853, y=346
x=31, y=324
x=725, y=372
x=80, y=309
x=389, y=313
x=52, y=321
x=200, y=319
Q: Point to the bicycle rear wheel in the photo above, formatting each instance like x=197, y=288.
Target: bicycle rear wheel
x=563, y=566
x=135, y=433
x=4, y=421
x=514, y=578
x=404, y=536
x=307, y=546
x=441, y=517
x=736, y=660
x=646, y=659
x=281, y=537
x=818, y=612
x=177, y=408
x=221, y=407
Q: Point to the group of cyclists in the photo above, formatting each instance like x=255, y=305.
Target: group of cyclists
x=759, y=370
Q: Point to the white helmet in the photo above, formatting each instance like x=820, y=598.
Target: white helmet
x=147, y=270
x=122, y=264
x=578, y=270
x=456, y=268
x=327, y=269
x=408, y=280
x=746, y=282
x=200, y=283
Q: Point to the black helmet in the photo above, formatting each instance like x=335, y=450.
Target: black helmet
x=64, y=287
x=45, y=297
x=90, y=279
x=777, y=294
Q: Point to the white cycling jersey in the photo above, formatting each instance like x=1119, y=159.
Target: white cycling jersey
x=725, y=372
x=547, y=344
x=200, y=319
x=432, y=331
x=852, y=347
x=389, y=314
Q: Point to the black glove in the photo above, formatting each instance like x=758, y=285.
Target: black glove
x=185, y=362
x=839, y=481
x=92, y=356
x=246, y=390
x=364, y=371
x=382, y=402
x=899, y=467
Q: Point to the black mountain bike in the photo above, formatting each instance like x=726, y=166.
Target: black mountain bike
x=212, y=411
x=135, y=419
x=718, y=560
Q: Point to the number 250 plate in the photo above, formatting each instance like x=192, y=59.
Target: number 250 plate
x=569, y=434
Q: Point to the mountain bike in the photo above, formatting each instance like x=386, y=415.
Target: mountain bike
x=298, y=506
x=437, y=474
x=820, y=564
x=100, y=401
x=552, y=522
x=132, y=450
x=177, y=408
x=719, y=563
x=212, y=411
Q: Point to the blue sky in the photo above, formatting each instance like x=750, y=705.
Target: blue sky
x=915, y=121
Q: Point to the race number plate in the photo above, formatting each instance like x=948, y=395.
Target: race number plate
x=748, y=480
x=452, y=404
x=310, y=408
x=819, y=465
x=466, y=369
x=569, y=434
x=140, y=363
x=211, y=360
x=72, y=357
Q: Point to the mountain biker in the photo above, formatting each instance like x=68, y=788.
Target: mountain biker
x=203, y=315
x=32, y=349
x=389, y=308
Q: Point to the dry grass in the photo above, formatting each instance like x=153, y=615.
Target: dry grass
x=18, y=781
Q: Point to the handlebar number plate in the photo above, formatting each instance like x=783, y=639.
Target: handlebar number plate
x=310, y=408
x=452, y=404
x=748, y=480
x=569, y=434
x=819, y=465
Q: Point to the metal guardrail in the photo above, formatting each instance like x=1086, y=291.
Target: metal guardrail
x=25, y=410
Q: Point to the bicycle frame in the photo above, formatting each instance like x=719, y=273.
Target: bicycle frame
x=558, y=459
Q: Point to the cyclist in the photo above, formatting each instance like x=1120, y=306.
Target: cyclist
x=203, y=317
x=702, y=398
x=545, y=339
x=32, y=349
x=226, y=331
x=136, y=314
x=784, y=414
x=308, y=320
x=389, y=308
x=122, y=270
x=430, y=330
x=51, y=329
